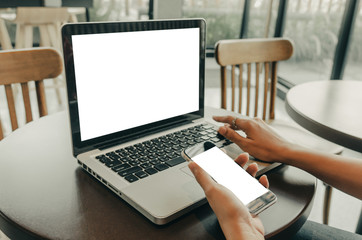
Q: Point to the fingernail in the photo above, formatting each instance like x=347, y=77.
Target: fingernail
x=222, y=130
x=192, y=167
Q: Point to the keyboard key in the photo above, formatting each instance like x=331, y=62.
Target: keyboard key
x=220, y=136
x=111, y=164
x=215, y=139
x=184, y=145
x=121, y=167
x=143, y=159
x=129, y=171
x=102, y=158
x=205, y=138
x=141, y=174
x=206, y=126
x=146, y=165
x=198, y=140
x=155, y=162
x=131, y=178
x=114, y=157
x=175, y=161
x=134, y=162
x=151, y=171
x=161, y=167
x=163, y=158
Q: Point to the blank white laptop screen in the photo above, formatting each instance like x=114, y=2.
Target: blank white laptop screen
x=129, y=79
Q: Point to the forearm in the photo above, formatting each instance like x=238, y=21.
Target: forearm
x=265, y=144
x=338, y=171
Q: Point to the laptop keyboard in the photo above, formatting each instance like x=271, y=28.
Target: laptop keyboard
x=150, y=157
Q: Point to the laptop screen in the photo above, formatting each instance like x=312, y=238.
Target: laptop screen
x=129, y=79
x=124, y=79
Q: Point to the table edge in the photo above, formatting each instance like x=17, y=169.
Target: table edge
x=322, y=130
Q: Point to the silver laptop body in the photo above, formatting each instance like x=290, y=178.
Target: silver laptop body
x=128, y=83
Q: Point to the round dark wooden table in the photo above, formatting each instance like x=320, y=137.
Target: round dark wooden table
x=45, y=195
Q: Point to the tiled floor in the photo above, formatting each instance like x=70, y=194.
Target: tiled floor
x=345, y=209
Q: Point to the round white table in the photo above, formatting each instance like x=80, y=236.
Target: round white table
x=332, y=110
x=329, y=109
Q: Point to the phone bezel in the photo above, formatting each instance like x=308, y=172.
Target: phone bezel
x=257, y=205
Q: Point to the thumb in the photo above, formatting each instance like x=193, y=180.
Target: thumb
x=202, y=177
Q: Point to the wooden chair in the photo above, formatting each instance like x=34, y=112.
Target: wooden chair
x=263, y=56
x=47, y=19
x=261, y=52
x=24, y=66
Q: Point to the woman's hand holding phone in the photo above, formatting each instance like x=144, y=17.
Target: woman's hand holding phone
x=234, y=217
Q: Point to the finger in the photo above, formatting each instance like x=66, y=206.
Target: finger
x=233, y=136
x=224, y=119
x=264, y=181
x=241, y=123
x=204, y=179
x=242, y=159
x=252, y=169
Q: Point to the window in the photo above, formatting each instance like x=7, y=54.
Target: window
x=223, y=17
x=262, y=18
x=353, y=70
x=314, y=27
x=115, y=10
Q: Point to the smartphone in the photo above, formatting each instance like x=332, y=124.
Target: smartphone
x=228, y=173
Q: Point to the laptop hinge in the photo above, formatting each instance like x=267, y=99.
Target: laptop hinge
x=141, y=134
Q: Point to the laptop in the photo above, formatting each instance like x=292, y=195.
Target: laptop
x=136, y=99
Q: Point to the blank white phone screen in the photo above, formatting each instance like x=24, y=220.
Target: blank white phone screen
x=226, y=172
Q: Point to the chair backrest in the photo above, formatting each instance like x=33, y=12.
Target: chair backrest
x=24, y=66
x=41, y=15
x=261, y=54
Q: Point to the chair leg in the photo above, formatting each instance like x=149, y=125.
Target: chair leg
x=48, y=36
x=73, y=18
x=5, y=41
x=57, y=85
x=19, y=36
x=44, y=36
x=327, y=203
x=53, y=36
x=28, y=36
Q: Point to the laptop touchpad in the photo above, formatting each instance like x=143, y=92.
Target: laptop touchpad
x=187, y=171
